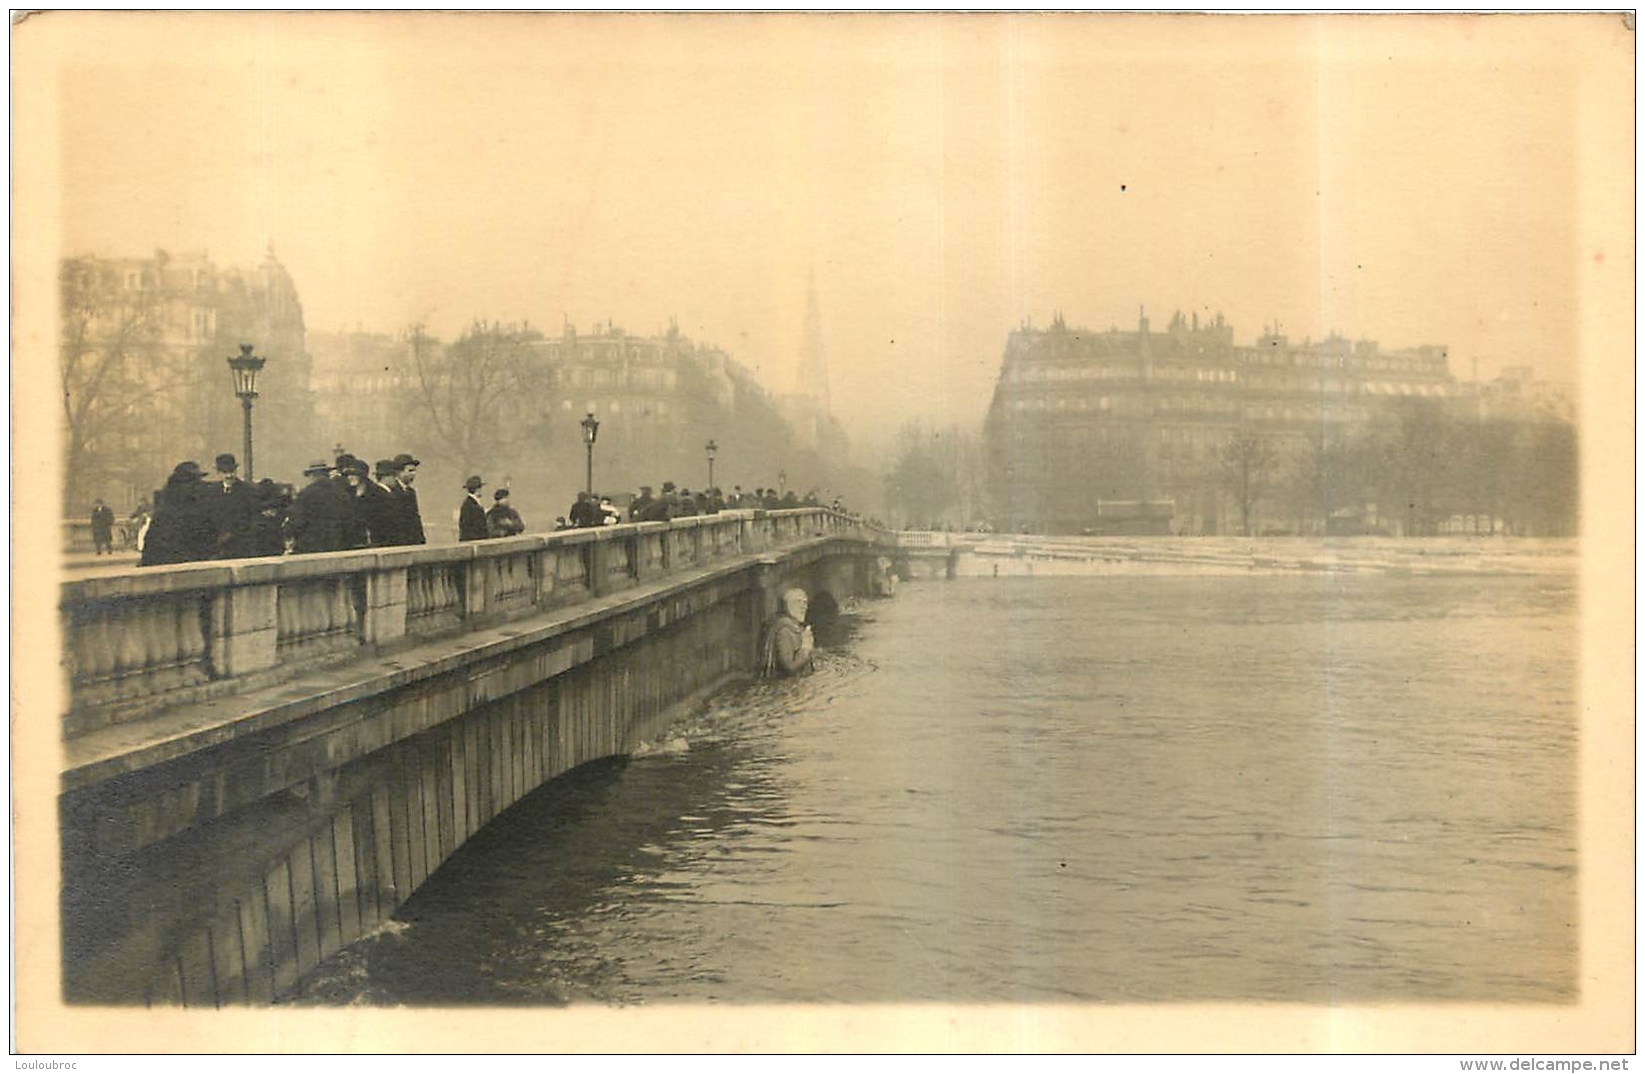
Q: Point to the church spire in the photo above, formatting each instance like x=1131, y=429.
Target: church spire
x=812, y=380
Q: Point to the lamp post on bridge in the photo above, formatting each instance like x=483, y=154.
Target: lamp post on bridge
x=591, y=429
x=244, y=367
x=711, y=447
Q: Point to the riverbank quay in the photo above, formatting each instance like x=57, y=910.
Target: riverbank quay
x=924, y=555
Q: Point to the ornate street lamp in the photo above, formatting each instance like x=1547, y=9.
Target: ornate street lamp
x=244, y=366
x=591, y=429
x=782, y=481
x=711, y=447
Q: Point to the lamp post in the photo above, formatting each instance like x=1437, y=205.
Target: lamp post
x=244, y=367
x=711, y=447
x=782, y=481
x=591, y=429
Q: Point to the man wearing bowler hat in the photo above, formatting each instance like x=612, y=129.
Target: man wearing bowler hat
x=234, y=508
x=382, y=511
x=408, y=519
x=471, y=518
x=318, y=513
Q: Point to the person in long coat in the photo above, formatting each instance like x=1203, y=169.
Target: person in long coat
x=382, y=507
x=234, y=508
x=409, y=517
x=181, y=530
x=268, y=537
x=357, y=520
x=502, y=520
x=102, y=528
x=471, y=518
x=319, y=512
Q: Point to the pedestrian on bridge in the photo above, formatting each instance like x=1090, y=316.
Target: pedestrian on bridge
x=320, y=512
x=182, y=529
x=471, y=517
x=234, y=507
x=102, y=528
x=382, y=509
x=408, y=518
x=502, y=520
x=357, y=523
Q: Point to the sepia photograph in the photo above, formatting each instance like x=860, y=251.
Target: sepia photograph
x=823, y=532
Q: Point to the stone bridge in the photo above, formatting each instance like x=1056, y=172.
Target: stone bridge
x=264, y=758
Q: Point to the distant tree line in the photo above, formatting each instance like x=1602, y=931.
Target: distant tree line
x=1421, y=467
x=1416, y=470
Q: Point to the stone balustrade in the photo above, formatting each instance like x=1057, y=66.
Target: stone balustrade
x=148, y=638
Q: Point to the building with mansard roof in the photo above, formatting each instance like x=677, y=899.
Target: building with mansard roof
x=1120, y=431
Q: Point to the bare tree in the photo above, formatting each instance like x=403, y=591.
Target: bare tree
x=120, y=378
x=471, y=392
x=1245, y=462
x=923, y=479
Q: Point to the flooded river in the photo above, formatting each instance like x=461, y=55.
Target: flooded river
x=1318, y=788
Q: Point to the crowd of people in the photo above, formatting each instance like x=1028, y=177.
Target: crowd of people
x=349, y=504
x=591, y=509
x=199, y=516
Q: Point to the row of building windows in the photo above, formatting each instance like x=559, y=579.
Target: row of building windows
x=1223, y=403
x=615, y=406
x=1274, y=356
x=605, y=352
x=586, y=377
x=1203, y=375
x=1208, y=405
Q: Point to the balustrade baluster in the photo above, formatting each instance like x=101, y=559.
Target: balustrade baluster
x=133, y=641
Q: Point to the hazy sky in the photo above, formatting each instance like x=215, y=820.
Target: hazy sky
x=944, y=176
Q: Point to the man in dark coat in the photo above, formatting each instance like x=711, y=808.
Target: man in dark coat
x=382, y=506
x=234, y=507
x=586, y=511
x=273, y=502
x=666, y=507
x=471, y=519
x=181, y=530
x=318, y=513
x=102, y=528
x=409, y=519
x=641, y=504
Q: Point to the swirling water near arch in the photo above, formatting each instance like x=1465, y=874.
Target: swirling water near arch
x=1331, y=787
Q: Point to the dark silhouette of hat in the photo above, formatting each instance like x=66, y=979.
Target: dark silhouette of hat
x=226, y=464
x=359, y=466
x=385, y=466
x=402, y=460
x=318, y=466
x=473, y=483
x=500, y=494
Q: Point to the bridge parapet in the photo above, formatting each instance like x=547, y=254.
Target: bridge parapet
x=146, y=639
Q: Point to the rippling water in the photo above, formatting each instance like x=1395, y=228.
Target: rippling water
x=1311, y=788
